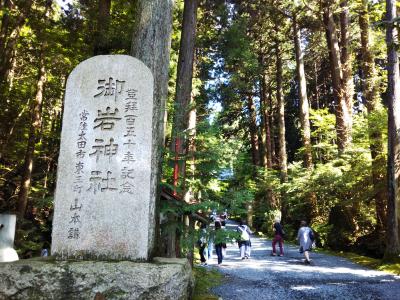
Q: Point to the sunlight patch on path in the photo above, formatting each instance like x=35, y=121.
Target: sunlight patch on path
x=302, y=288
x=272, y=277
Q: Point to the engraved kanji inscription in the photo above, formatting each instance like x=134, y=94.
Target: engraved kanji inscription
x=110, y=88
x=106, y=120
x=101, y=149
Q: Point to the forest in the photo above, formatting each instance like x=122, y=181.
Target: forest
x=273, y=108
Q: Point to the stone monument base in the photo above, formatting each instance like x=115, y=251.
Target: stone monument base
x=46, y=278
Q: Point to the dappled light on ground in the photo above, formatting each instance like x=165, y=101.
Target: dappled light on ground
x=272, y=277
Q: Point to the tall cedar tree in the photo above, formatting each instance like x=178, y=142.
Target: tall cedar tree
x=182, y=109
x=151, y=43
x=393, y=98
x=281, y=113
x=345, y=60
x=36, y=123
x=14, y=18
x=101, y=40
x=343, y=116
x=302, y=88
x=371, y=94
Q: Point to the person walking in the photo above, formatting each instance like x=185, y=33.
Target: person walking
x=305, y=237
x=224, y=217
x=244, y=240
x=219, y=240
x=202, y=243
x=210, y=243
x=278, y=237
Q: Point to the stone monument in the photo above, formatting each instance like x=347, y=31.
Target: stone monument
x=103, y=206
x=103, y=210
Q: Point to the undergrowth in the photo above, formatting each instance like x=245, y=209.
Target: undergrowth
x=205, y=280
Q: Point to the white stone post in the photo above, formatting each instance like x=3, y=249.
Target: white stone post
x=7, y=232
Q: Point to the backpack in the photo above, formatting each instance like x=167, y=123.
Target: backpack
x=244, y=236
x=311, y=235
x=201, y=242
x=279, y=229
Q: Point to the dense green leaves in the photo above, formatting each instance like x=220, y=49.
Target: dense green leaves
x=235, y=62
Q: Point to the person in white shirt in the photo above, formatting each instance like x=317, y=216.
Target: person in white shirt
x=305, y=240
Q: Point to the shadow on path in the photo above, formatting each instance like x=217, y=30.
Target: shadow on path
x=273, y=277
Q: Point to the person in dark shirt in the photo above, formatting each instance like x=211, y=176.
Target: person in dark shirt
x=278, y=237
x=223, y=216
x=202, y=243
x=219, y=240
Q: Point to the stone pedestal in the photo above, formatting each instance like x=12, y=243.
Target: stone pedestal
x=7, y=232
x=46, y=278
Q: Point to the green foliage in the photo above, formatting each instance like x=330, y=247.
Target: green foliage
x=239, y=57
x=324, y=134
x=64, y=38
x=205, y=280
x=235, y=47
x=343, y=181
x=34, y=233
x=237, y=200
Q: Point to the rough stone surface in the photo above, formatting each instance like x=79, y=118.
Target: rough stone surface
x=49, y=279
x=104, y=204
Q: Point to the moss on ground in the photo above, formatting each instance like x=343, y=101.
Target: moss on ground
x=205, y=280
x=372, y=263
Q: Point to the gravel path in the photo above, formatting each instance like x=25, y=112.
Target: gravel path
x=328, y=277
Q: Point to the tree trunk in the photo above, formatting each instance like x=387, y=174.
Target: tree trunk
x=171, y=237
x=266, y=117
x=7, y=130
x=266, y=133
x=262, y=140
x=9, y=37
x=190, y=254
x=263, y=115
x=316, y=84
x=36, y=111
x=5, y=22
x=393, y=94
x=191, y=150
x=272, y=126
x=151, y=43
x=304, y=105
x=191, y=145
x=342, y=113
x=10, y=130
x=255, y=154
x=281, y=116
x=345, y=59
x=371, y=95
x=183, y=90
x=101, y=39
x=304, y=112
